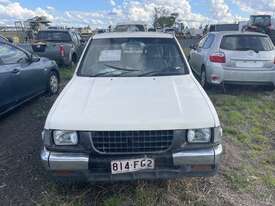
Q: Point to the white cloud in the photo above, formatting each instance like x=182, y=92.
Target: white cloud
x=11, y=11
x=143, y=10
x=112, y=2
x=221, y=13
x=257, y=6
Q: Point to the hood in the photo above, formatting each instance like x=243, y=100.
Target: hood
x=132, y=103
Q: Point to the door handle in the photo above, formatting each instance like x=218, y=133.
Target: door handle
x=15, y=71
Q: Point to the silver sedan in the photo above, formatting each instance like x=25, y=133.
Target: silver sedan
x=234, y=58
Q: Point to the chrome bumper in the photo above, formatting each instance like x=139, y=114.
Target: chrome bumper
x=76, y=162
x=64, y=161
x=211, y=156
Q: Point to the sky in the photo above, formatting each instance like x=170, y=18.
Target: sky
x=101, y=13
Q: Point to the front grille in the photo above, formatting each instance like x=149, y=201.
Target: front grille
x=119, y=142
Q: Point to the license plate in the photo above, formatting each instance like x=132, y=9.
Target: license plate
x=249, y=64
x=132, y=165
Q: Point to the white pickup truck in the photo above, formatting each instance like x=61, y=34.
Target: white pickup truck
x=133, y=110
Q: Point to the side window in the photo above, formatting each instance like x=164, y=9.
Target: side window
x=208, y=42
x=11, y=55
x=201, y=43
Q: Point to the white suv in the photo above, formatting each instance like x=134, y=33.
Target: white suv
x=133, y=110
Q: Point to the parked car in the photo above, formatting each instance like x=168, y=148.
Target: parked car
x=85, y=37
x=24, y=76
x=134, y=26
x=133, y=110
x=63, y=46
x=152, y=30
x=169, y=30
x=234, y=58
x=223, y=27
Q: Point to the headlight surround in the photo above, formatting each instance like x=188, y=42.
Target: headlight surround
x=218, y=134
x=62, y=138
x=199, y=135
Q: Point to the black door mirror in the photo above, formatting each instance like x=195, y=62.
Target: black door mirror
x=33, y=58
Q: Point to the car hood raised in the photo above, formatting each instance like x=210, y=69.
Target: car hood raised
x=132, y=103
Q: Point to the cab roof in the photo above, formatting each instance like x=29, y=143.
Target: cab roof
x=223, y=33
x=133, y=35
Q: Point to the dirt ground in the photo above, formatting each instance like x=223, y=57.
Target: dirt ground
x=22, y=178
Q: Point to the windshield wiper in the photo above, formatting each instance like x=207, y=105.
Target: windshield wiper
x=161, y=72
x=121, y=68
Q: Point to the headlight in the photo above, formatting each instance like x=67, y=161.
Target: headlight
x=199, y=135
x=65, y=137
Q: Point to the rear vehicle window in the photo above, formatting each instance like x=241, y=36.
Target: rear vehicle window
x=247, y=42
x=56, y=36
x=260, y=20
x=130, y=28
x=133, y=57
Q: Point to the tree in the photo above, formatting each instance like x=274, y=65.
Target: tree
x=162, y=18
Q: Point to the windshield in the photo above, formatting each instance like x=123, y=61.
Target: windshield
x=247, y=42
x=57, y=36
x=130, y=28
x=132, y=57
x=260, y=20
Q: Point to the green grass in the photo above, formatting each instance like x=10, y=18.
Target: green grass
x=66, y=73
x=249, y=120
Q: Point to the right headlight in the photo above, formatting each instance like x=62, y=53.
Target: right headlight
x=62, y=137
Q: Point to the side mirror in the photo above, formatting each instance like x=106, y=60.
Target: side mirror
x=33, y=58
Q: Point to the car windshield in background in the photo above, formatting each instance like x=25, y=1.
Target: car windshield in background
x=133, y=57
x=247, y=42
x=55, y=36
x=129, y=28
x=260, y=20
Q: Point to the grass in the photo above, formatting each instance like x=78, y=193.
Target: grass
x=247, y=172
x=66, y=73
x=249, y=121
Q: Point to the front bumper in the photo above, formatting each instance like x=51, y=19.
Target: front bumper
x=195, y=162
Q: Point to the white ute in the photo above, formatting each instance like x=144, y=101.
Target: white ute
x=133, y=110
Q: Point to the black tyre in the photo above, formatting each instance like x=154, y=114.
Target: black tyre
x=203, y=79
x=53, y=83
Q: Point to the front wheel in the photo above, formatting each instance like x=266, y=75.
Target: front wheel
x=53, y=83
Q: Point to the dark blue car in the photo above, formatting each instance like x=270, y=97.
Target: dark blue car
x=24, y=76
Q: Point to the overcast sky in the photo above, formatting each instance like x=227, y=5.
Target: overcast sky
x=101, y=13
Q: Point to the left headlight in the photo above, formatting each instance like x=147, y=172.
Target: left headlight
x=199, y=135
x=61, y=137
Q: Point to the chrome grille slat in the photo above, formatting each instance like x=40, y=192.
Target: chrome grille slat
x=117, y=142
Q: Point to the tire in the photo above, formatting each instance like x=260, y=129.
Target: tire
x=53, y=83
x=203, y=79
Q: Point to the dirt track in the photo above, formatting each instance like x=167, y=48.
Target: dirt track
x=22, y=178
